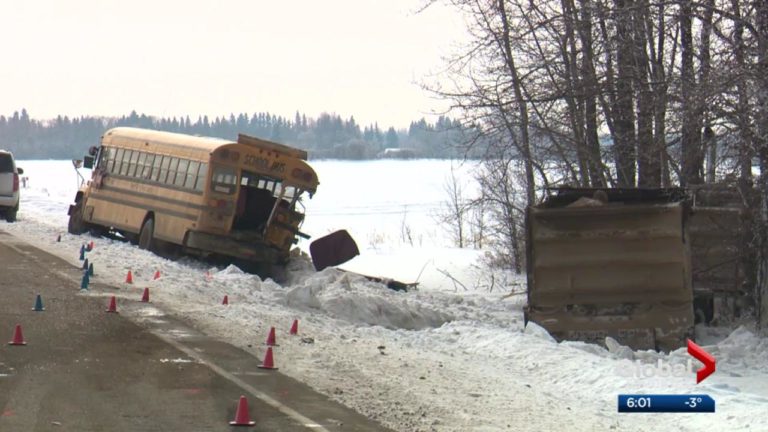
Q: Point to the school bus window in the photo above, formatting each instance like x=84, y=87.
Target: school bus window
x=104, y=159
x=201, y=175
x=273, y=186
x=146, y=174
x=118, y=161
x=102, y=162
x=224, y=180
x=126, y=162
x=134, y=163
x=140, y=164
x=172, y=171
x=181, y=173
x=164, y=169
x=110, y=152
x=156, y=168
x=189, y=183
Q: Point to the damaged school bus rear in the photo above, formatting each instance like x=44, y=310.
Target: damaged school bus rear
x=611, y=262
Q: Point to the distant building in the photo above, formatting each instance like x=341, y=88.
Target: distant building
x=398, y=153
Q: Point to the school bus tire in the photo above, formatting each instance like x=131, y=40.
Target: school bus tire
x=76, y=224
x=147, y=235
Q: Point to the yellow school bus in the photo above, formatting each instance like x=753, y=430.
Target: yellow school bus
x=171, y=192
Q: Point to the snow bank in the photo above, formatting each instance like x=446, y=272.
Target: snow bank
x=355, y=299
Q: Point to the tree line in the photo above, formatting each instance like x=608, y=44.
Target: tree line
x=327, y=136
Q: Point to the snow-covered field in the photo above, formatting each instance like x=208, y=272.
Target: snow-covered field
x=437, y=359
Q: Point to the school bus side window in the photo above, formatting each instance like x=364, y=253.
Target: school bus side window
x=147, y=172
x=142, y=160
x=156, y=168
x=164, y=169
x=126, y=162
x=189, y=182
x=172, y=171
x=134, y=163
x=201, y=175
x=118, y=161
x=181, y=173
x=107, y=159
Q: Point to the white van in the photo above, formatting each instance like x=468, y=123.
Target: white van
x=9, y=186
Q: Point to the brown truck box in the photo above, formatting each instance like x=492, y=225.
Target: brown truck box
x=612, y=263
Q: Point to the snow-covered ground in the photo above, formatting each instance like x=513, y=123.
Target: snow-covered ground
x=440, y=358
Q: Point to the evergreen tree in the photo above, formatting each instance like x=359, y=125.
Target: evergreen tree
x=392, y=141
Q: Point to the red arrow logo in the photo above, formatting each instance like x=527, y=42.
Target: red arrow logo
x=699, y=354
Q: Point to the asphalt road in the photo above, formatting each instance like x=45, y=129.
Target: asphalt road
x=87, y=370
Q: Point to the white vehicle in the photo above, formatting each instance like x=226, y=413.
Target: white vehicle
x=9, y=186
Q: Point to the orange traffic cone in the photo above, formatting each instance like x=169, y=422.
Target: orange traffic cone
x=271, y=337
x=269, y=362
x=18, y=338
x=145, y=296
x=294, y=327
x=241, y=415
x=112, y=305
x=157, y=275
x=129, y=277
x=226, y=300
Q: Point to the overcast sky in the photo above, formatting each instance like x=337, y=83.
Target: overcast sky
x=171, y=57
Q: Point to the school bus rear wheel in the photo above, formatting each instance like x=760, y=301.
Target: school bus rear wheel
x=146, y=237
x=76, y=224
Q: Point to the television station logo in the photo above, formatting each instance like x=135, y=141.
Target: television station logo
x=665, y=369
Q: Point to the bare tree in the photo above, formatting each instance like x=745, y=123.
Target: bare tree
x=521, y=102
x=624, y=142
x=709, y=143
x=500, y=179
x=479, y=222
x=743, y=105
x=648, y=155
x=690, y=133
x=455, y=210
x=590, y=90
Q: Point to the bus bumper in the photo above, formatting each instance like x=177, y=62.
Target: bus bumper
x=249, y=250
